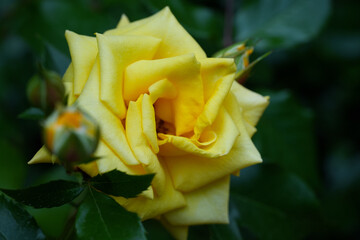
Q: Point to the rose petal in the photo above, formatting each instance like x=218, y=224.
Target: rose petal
x=184, y=72
x=69, y=74
x=253, y=104
x=164, y=111
x=123, y=21
x=112, y=130
x=140, y=146
x=212, y=70
x=109, y=161
x=68, y=81
x=178, y=232
x=150, y=208
x=163, y=25
x=83, y=51
x=162, y=89
x=148, y=122
x=206, y=205
x=190, y=172
x=116, y=53
x=226, y=134
x=42, y=156
x=217, y=87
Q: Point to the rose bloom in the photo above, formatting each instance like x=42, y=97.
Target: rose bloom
x=163, y=107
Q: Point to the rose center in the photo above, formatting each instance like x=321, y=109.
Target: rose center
x=164, y=127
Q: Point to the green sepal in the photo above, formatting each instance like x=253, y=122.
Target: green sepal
x=231, y=51
x=241, y=72
x=118, y=183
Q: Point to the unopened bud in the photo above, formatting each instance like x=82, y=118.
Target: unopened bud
x=240, y=52
x=71, y=135
x=45, y=90
x=231, y=51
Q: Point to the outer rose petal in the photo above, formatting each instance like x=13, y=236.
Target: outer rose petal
x=83, y=51
x=163, y=25
x=43, y=156
x=109, y=161
x=123, y=21
x=252, y=104
x=112, y=130
x=150, y=208
x=179, y=232
x=69, y=85
x=115, y=54
x=205, y=205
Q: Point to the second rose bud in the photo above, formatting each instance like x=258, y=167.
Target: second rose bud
x=72, y=136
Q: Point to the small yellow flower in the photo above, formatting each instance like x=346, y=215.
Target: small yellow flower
x=164, y=107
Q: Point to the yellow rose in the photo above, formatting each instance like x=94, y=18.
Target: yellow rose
x=163, y=107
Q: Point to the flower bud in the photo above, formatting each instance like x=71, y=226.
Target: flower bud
x=240, y=52
x=71, y=135
x=45, y=90
x=231, y=51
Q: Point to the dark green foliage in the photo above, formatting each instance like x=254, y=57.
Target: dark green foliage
x=289, y=128
x=100, y=217
x=16, y=223
x=281, y=24
x=47, y=195
x=118, y=183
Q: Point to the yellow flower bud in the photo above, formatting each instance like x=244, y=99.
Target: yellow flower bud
x=71, y=135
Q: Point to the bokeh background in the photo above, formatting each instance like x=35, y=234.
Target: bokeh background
x=309, y=184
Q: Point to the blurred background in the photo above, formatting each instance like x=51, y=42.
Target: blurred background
x=309, y=184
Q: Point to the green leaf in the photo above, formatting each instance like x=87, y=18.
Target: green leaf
x=100, y=217
x=16, y=223
x=263, y=221
x=274, y=186
x=281, y=23
x=286, y=137
x=14, y=174
x=54, y=59
x=275, y=204
x=118, y=183
x=32, y=114
x=51, y=194
x=53, y=221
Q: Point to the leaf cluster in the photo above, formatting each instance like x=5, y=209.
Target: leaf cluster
x=98, y=216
